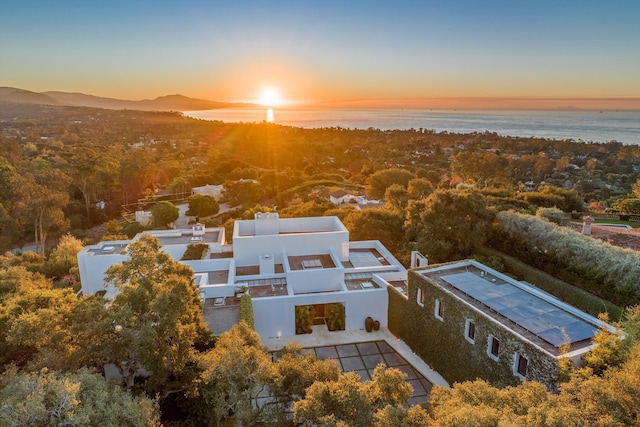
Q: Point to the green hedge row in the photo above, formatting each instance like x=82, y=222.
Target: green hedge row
x=610, y=272
x=246, y=310
x=562, y=290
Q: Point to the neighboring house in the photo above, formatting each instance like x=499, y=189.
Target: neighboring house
x=144, y=217
x=215, y=191
x=339, y=197
x=468, y=321
x=282, y=263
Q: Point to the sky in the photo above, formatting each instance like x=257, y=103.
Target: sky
x=322, y=51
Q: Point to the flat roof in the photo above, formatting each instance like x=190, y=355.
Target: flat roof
x=186, y=238
x=310, y=262
x=510, y=300
x=107, y=248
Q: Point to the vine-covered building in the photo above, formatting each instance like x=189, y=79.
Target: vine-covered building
x=469, y=321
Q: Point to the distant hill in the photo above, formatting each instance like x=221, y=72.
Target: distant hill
x=162, y=103
x=11, y=94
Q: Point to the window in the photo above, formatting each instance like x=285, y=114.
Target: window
x=520, y=365
x=493, y=349
x=420, y=298
x=470, y=331
x=439, y=311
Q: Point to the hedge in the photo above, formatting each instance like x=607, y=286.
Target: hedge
x=246, y=310
x=610, y=272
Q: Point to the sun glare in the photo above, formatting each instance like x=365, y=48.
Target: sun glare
x=270, y=97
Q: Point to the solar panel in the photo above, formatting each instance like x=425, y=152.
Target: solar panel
x=534, y=314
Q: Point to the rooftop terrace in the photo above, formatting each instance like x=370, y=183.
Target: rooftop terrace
x=182, y=237
x=108, y=248
x=365, y=257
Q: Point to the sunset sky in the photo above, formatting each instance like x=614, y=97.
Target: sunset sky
x=323, y=50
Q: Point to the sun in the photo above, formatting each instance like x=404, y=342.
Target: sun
x=270, y=97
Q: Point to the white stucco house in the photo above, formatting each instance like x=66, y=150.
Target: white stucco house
x=339, y=197
x=215, y=191
x=282, y=262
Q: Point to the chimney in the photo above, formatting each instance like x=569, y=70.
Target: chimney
x=587, y=220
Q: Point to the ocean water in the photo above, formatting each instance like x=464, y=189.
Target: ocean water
x=587, y=126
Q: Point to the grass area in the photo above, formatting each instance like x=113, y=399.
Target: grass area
x=632, y=224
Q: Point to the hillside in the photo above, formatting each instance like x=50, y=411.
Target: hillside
x=162, y=103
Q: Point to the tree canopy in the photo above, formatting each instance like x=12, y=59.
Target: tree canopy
x=164, y=213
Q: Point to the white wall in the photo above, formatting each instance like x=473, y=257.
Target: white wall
x=275, y=316
x=315, y=280
x=92, y=268
x=247, y=250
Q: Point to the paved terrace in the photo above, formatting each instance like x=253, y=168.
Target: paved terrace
x=354, y=352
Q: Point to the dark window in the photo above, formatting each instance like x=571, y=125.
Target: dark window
x=522, y=365
x=439, y=309
x=471, y=331
x=495, y=346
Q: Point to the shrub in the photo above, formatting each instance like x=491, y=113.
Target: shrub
x=554, y=215
x=335, y=314
x=194, y=251
x=607, y=271
x=246, y=310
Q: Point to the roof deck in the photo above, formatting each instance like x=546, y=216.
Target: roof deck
x=108, y=248
x=365, y=257
x=543, y=321
x=360, y=281
x=184, y=237
x=310, y=262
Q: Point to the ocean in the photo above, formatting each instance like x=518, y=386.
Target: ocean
x=586, y=126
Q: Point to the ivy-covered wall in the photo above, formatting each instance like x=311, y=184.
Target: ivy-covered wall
x=397, y=313
x=442, y=344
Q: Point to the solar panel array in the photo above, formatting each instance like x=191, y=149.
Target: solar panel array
x=534, y=314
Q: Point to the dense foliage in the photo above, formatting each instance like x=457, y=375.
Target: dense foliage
x=608, y=271
x=67, y=170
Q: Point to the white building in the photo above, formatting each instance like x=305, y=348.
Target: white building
x=282, y=262
x=215, y=191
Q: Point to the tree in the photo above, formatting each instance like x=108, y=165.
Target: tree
x=82, y=398
x=9, y=232
x=34, y=328
x=349, y=401
x=333, y=403
x=235, y=376
x=479, y=167
x=608, y=351
x=201, y=205
x=93, y=173
x=378, y=183
x=157, y=318
x=64, y=258
x=449, y=224
x=629, y=206
x=396, y=197
x=400, y=416
x=43, y=197
x=420, y=188
x=164, y=213
x=376, y=224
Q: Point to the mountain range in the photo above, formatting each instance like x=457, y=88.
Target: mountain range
x=162, y=103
